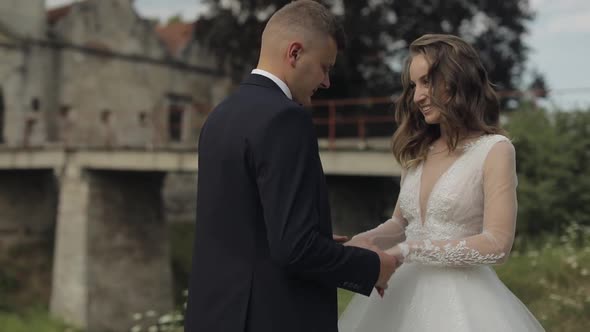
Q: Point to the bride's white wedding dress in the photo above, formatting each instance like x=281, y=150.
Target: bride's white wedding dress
x=446, y=282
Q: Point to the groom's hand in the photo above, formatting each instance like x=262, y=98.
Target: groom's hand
x=389, y=264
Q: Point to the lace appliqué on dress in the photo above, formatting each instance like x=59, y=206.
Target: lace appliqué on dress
x=458, y=254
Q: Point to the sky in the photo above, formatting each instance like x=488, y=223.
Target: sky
x=559, y=39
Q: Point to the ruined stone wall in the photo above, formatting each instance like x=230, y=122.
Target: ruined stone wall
x=124, y=101
x=28, y=205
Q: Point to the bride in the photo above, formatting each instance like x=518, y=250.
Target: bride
x=456, y=212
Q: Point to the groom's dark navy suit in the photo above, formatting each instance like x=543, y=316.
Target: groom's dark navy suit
x=264, y=259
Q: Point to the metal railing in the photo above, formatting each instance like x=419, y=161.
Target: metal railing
x=354, y=118
x=339, y=113
x=364, y=112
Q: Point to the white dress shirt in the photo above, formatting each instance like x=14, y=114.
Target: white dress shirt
x=275, y=79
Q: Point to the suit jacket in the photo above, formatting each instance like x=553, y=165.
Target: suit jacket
x=264, y=259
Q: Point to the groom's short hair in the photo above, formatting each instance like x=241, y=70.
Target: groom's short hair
x=308, y=17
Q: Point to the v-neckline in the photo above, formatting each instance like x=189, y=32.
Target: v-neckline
x=466, y=147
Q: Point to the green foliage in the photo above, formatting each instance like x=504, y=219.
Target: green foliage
x=553, y=164
x=24, y=272
x=181, y=240
x=552, y=278
x=37, y=320
x=175, y=19
x=8, y=284
x=149, y=321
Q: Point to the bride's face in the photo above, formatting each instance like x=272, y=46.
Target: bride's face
x=419, y=68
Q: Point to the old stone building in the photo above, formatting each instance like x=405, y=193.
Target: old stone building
x=95, y=73
x=87, y=75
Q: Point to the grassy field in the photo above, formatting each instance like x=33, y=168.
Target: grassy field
x=550, y=275
x=33, y=320
x=554, y=282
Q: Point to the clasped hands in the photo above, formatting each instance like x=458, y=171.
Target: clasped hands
x=390, y=259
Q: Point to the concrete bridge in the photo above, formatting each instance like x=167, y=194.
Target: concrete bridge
x=111, y=255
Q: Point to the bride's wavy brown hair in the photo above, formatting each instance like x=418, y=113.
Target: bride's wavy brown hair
x=470, y=103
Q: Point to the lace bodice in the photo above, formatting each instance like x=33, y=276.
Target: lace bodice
x=470, y=214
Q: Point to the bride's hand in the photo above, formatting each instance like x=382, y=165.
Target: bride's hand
x=340, y=238
x=361, y=242
x=397, y=252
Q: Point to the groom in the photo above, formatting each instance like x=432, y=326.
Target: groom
x=264, y=258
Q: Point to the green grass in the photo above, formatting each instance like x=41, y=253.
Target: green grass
x=554, y=283
x=181, y=237
x=34, y=320
x=344, y=297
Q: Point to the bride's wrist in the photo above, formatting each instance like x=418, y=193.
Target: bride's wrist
x=395, y=251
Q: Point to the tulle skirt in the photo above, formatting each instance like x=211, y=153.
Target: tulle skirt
x=423, y=298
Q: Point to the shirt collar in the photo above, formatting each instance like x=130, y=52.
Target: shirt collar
x=275, y=79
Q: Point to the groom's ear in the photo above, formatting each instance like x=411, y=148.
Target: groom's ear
x=294, y=52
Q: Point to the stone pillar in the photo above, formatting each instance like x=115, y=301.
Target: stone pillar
x=360, y=203
x=112, y=258
x=69, y=294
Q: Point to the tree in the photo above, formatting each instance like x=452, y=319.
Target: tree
x=379, y=32
x=539, y=84
x=175, y=19
x=553, y=159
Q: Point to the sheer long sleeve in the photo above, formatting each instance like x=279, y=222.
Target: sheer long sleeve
x=493, y=244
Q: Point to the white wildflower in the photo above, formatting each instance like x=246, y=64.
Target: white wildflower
x=166, y=319
x=571, y=303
